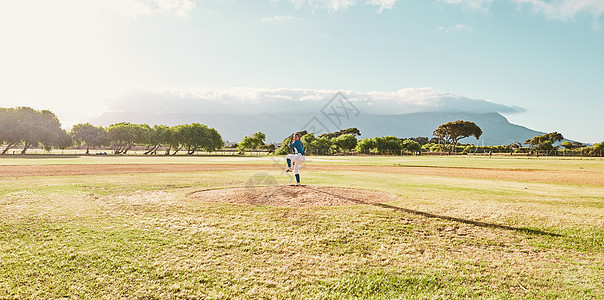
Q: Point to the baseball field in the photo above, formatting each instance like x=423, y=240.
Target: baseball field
x=372, y=227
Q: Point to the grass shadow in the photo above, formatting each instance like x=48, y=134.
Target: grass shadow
x=435, y=216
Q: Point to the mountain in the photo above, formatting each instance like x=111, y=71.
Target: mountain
x=497, y=130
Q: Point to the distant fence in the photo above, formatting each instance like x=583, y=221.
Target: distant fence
x=547, y=153
x=540, y=153
x=92, y=152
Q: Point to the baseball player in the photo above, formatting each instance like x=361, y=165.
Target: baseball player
x=297, y=158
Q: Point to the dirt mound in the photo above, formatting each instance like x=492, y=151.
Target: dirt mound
x=293, y=196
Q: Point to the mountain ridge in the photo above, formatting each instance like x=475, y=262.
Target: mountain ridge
x=497, y=130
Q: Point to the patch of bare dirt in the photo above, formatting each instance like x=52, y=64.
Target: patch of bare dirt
x=293, y=196
x=566, y=177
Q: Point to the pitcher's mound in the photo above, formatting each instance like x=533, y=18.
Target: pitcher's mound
x=293, y=196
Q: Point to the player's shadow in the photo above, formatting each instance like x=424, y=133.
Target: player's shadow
x=431, y=215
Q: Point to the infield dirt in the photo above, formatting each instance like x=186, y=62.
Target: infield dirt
x=293, y=196
x=564, y=177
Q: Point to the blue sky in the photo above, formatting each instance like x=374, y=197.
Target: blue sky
x=81, y=58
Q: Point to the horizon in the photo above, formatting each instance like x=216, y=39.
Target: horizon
x=537, y=63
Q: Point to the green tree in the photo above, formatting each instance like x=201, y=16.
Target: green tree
x=433, y=147
x=191, y=136
x=366, y=145
x=123, y=136
x=215, y=141
x=63, y=141
x=252, y=142
x=89, y=135
x=411, y=146
x=572, y=145
x=246, y=143
x=354, y=131
x=9, y=128
x=450, y=133
x=420, y=140
x=159, y=136
x=40, y=127
x=194, y=137
x=31, y=127
x=388, y=144
x=567, y=145
x=323, y=145
x=259, y=138
x=546, y=145
x=309, y=142
x=597, y=149
x=175, y=140
x=49, y=132
x=346, y=142
x=552, y=137
x=30, y=131
x=515, y=146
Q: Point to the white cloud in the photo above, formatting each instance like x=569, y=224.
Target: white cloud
x=477, y=5
x=283, y=101
x=383, y=4
x=556, y=9
x=331, y=5
x=565, y=9
x=456, y=28
x=179, y=8
x=335, y=6
x=276, y=19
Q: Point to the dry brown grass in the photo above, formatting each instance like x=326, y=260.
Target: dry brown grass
x=139, y=236
x=547, y=176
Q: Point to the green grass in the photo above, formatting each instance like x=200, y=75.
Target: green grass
x=139, y=236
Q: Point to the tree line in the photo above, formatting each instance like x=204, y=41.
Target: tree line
x=331, y=143
x=446, y=139
x=30, y=128
x=345, y=140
